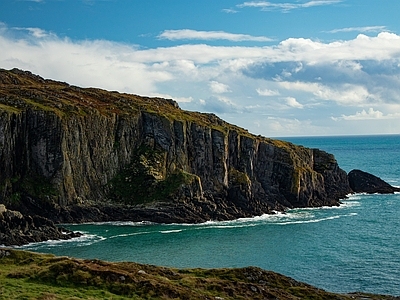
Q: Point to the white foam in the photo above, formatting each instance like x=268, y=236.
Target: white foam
x=171, y=231
x=308, y=221
x=129, y=234
x=115, y=223
x=83, y=240
x=217, y=226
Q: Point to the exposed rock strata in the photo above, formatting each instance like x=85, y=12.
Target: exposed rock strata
x=72, y=154
x=363, y=182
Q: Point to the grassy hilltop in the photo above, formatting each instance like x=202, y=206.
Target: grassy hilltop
x=27, y=275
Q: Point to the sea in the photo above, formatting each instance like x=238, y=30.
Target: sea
x=353, y=247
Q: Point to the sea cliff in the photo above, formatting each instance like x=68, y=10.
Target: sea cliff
x=75, y=154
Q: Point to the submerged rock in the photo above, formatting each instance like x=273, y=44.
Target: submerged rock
x=363, y=182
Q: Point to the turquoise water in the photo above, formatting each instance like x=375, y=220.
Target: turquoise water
x=354, y=247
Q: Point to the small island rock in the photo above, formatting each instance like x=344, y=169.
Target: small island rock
x=363, y=182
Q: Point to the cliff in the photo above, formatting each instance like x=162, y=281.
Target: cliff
x=82, y=154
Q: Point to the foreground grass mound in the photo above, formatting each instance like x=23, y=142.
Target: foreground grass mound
x=27, y=275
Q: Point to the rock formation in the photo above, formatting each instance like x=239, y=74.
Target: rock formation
x=74, y=154
x=16, y=229
x=363, y=182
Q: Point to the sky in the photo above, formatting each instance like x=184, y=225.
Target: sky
x=278, y=68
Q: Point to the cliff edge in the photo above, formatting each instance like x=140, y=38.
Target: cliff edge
x=75, y=154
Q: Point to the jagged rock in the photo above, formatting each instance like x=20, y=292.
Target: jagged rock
x=363, y=182
x=16, y=229
x=72, y=154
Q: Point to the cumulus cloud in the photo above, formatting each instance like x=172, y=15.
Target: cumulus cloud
x=370, y=114
x=292, y=102
x=344, y=94
x=218, y=104
x=188, y=34
x=297, y=73
x=219, y=88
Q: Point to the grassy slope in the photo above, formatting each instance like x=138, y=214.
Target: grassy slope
x=27, y=275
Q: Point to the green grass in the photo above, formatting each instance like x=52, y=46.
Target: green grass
x=27, y=275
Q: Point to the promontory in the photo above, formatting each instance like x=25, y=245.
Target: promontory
x=72, y=154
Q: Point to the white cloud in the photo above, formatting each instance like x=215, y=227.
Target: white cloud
x=267, y=92
x=345, y=94
x=359, y=29
x=371, y=114
x=177, y=99
x=278, y=126
x=285, y=7
x=36, y=32
x=188, y=34
x=230, y=11
x=219, y=88
x=343, y=76
x=292, y=102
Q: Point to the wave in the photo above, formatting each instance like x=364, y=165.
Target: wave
x=129, y=234
x=308, y=221
x=316, y=220
x=83, y=240
x=292, y=216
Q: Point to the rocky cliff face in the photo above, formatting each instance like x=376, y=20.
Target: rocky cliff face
x=64, y=150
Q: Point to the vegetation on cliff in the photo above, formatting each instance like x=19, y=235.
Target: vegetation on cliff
x=27, y=275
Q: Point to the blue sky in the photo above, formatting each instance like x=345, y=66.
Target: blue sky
x=276, y=68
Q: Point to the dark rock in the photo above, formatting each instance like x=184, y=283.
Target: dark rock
x=363, y=182
x=16, y=229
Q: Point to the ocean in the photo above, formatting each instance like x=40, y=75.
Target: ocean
x=354, y=247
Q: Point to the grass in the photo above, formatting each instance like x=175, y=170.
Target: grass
x=27, y=275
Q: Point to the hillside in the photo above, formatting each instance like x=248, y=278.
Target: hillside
x=26, y=275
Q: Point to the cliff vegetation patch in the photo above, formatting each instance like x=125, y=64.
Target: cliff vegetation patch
x=13, y=189
x=145, y=180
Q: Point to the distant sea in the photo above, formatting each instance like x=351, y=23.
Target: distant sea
x=354, y=247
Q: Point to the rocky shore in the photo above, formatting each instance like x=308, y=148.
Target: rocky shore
x=17, y=229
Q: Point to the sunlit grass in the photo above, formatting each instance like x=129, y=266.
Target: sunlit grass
x=27, y=275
